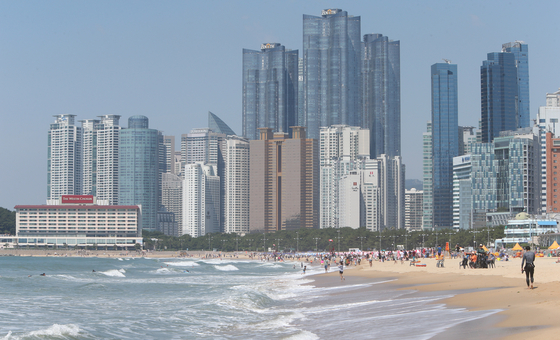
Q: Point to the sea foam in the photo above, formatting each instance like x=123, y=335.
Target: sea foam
x=114, y=273
x=226, y=268
x=54, y=331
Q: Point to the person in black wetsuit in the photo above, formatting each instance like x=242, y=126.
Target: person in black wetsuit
x=528, y=265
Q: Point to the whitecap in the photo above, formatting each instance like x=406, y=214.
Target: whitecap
x=120, y=259
x=56, y=331
x=163, y=270
x=114, y=273
x=227, y=268
x=182, y=264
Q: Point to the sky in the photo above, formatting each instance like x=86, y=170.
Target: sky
x=173, y=61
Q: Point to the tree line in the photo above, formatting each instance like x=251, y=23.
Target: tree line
x=7, y=221
x=323, y=240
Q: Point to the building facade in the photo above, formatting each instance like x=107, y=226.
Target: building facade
x=270, y=89
x=427, y=186
x=520, y=51
x=445, y=141
x=139, y=169
x=381, y=94
x=547, y=120
x=172, y=198
x=201, y=200
x=64, y=157
x=462, y=192
x=77, y=221
x=331, y=70
x=499, y=96
x=413, y=209
x=284, y=186
x=236, y=185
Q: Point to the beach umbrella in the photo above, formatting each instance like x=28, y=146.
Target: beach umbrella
x=517, y=247
x=554, y=246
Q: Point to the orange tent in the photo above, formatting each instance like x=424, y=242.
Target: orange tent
x=554, y=246
x=517, y=247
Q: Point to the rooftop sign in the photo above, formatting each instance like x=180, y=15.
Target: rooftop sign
x=77, y=199
x=329, y=11
x=269, y=45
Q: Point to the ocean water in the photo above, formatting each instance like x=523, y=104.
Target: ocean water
x=147, y=298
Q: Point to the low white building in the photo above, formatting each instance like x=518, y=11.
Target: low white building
x=78, y=221
x=523, y=229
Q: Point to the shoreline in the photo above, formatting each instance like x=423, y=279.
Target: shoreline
x=523, y=314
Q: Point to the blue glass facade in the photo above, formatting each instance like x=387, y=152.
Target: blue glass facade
x=139, y=169
x=520, y=51
x=331, y=70
x=381, y=94
x=270, y=89
x=498, y=77
x=445, y=141
x=219, y=126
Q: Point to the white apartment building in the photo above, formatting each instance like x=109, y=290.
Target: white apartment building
x=201, y=200
x=340, y=147
x=236, y=185
x=548, y=119
x=64, y=158
x=413, y=208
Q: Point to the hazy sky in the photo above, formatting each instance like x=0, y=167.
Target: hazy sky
x=173, y=61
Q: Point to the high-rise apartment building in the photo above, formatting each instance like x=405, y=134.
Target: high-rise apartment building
x=201, y=200
x=64, y=158
x=284, y=186
x=506, y=174
x=520, y=50
x=270, y=89
x=381, y=94
x=331, y=70
x=462, y=192
x=499, y=95
x=340, y=148
x=552, y=177
x=547, y=120
x=172, y=197
x=139, y=168
x=236, y=185
x=413, y=209
x=445, y=141
x=205, y=146
x=467, y=136
x=169, y=153
x=427, y=186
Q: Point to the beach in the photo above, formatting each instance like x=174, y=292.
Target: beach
x=518, y=313
x=524, y=313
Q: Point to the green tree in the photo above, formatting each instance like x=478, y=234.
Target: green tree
x=7, y=221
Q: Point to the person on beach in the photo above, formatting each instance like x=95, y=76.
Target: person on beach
x=304, y=269
x=341, y=270
x=528, y=265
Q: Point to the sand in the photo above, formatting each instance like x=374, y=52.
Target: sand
x=526, y=313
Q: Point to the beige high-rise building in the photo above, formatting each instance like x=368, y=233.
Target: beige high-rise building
x=284, y=181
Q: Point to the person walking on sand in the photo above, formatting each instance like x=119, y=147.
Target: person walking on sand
x=528, y=265
x=341, y=271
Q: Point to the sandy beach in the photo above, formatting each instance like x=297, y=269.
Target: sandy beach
x=525, y=313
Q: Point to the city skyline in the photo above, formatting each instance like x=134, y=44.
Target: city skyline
x=107, y=59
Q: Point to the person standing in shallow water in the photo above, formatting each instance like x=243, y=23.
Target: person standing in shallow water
x=528, y=265
x=341, y=270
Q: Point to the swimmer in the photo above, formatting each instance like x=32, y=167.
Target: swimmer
x=43, y=274
x=93, y=271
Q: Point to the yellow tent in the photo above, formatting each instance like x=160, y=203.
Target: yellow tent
x=517, y=247
x=485, y=249
x=554, y=245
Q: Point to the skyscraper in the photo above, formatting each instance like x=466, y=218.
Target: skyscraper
x=169, y=153
x=201, y=200
x=547, y=120
x=236, y=185
x=499, y=95
x=139, y=171
x=107, y=133
x=270, y=89
x=284, y=187
x=427, y=177
x=331, y=70
x=445, y=141
x=520, y=51
x=64, y=158
x=381, y=94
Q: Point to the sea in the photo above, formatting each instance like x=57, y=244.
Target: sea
x=193, y=298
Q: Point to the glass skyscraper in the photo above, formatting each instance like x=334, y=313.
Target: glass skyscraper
x=381, y=94
x=499, y=95
x=331, y=70
x=445, y=141
x=270, y=89
x=139, y=171
x=520, y=51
